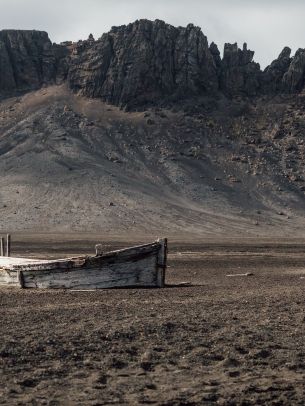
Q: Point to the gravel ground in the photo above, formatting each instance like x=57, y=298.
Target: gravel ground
x=213, y=340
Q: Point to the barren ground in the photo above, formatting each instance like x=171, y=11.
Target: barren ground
x=221, y=340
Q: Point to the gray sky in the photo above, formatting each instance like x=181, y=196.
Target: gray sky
x=266, y=25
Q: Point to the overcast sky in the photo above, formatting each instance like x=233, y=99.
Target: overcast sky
x=266, y=25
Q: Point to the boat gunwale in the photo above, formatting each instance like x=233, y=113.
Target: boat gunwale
x=85, y=261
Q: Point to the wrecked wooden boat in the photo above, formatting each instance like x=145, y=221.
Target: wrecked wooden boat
x=140, y=266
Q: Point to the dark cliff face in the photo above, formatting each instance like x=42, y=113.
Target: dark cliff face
x=274, y=73
x=143, y=62
x=146, y=62
x=27, y=60
x=294, y=78
x=239, y=75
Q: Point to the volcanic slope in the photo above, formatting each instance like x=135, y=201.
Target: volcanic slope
x=72, y=163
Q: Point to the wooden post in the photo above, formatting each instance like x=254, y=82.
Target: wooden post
x=20, y=279
x=1, y=247
x=98, y=250
x=8, y=245
x=162, y=262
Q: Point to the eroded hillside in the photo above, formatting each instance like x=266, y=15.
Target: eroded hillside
x=72, y=163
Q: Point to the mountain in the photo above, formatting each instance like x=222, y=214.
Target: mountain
x=147, y=130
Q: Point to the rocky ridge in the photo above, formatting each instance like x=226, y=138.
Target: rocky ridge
x=144, y=63
x=27, y=60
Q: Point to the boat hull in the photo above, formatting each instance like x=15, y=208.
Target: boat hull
x=141, y=266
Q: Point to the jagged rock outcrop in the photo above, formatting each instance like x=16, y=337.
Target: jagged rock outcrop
x=274, y=73
x=27, y=60
x=239, y=75
x=143, y=62
x=216, y=55
x=294, y=78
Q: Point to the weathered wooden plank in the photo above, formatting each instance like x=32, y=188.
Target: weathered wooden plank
x=117, y=256
x=143, y=273
x=8, y=278
x=134, y=251
x=6, y=262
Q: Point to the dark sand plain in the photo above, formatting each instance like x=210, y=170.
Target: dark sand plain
x=214, y=340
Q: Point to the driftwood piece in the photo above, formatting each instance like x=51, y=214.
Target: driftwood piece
x=241, y=274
